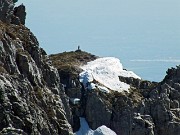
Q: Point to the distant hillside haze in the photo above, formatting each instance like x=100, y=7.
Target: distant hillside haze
x=127, y=30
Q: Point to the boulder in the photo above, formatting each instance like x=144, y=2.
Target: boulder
x=20, y=12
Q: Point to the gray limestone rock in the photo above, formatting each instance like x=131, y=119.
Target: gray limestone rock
x=30, y=91
x=98, y=111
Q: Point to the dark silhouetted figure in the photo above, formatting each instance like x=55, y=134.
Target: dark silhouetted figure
x=78, y=50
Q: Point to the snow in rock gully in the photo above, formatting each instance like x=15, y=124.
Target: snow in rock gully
x=85, y=130
x=103, y=73
x=106, y=72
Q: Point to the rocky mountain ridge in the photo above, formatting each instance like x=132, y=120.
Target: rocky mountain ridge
x=31, y=97
x=150, y=108
x=38, y=92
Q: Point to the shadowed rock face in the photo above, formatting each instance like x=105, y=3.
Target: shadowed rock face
x=19, y=15
x=6, y=10
x=31, y=96
x=9, y=14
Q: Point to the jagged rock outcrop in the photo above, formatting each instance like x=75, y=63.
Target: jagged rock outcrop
x=6, y=10
x=9, y=14
x=34, y=96
x=150, y=108
x=31, y=97
x=102, y=113
x=20, y=12
x=68, y=66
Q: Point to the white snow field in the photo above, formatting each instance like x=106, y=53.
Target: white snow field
x=85, y=130
x=105, y=71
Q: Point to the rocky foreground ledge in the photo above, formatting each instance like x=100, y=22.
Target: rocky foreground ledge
x=41, y=94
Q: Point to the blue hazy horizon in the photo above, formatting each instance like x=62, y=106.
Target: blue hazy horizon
x=129, y=30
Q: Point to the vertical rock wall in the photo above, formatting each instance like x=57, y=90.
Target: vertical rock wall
x=30, y=91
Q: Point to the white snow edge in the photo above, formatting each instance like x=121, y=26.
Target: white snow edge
x=106, y=71
x=85, y=130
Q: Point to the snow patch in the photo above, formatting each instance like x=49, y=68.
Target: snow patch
x=91, y=86
x=103, y=130
x=75, y=101
x=106, y=71
x=103, y=89
x=85, y=130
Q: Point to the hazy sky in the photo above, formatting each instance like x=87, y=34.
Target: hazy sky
x=127, y=29
x=61, y=25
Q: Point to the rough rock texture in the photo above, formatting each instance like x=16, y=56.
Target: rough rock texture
x=20, y=13
x=102, y=113
x=6, y=10
x=68, y=66
x=32, y=100
x=9, y=14
x=149, y=108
